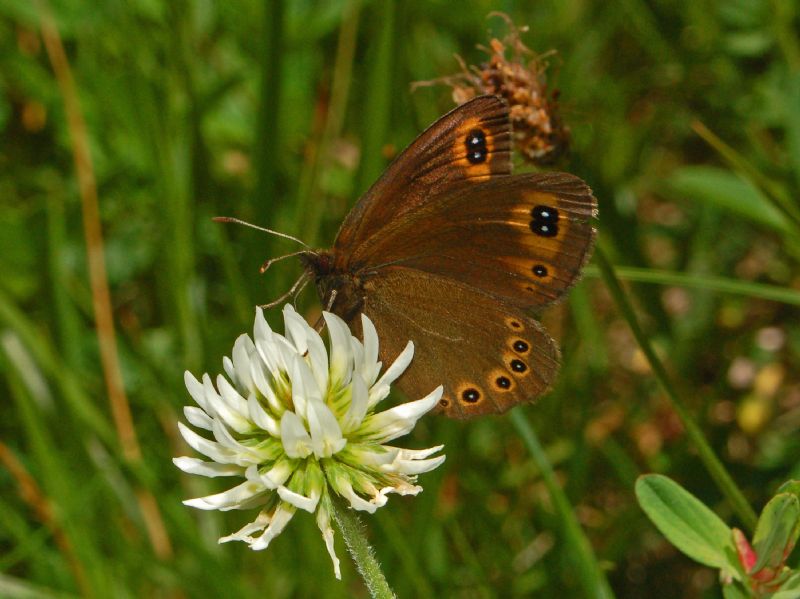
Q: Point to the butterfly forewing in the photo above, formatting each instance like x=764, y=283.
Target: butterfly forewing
x=523, y=239
x=468, y=145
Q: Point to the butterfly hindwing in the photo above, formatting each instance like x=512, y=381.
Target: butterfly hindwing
x=522, y=239
x=489, y=356
x=468, y=145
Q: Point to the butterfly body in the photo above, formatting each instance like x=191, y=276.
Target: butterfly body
x=452, y=251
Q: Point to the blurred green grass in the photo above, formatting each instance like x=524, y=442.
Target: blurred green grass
x=282, y=113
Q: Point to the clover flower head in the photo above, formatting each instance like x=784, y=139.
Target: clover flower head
x=297, y=423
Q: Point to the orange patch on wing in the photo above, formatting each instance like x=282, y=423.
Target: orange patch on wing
x=479, y=171
x=501, y=381
x=469, y=394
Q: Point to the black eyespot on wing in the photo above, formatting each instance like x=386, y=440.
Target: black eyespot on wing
x=521, y=346
x=476, y=139
x=476, y=146
x=544, y=221
x=503, y=382
x=539, y=270
x=544, y=229
x=518, y=366
x=544, y=213
x=471, y=395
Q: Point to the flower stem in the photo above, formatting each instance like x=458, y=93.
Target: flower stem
x=589, y=573
x=360, y=550
x=710, y=460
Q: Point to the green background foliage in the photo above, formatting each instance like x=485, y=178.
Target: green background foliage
x=686, y=122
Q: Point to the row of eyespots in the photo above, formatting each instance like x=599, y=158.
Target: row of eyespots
x=472, y=395
x=544, y=221
x=476, y=146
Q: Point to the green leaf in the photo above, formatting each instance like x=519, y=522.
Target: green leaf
x=728, y=191
x=735, y=590
x=776, y=530
x=790, y=486
x=789, y=589
x=686, y=522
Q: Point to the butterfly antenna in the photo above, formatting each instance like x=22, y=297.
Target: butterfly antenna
x=298, y=286
x=230, y=219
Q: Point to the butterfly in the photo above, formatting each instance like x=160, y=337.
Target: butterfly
x=452, y=251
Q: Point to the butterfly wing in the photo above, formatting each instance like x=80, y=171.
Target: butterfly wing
x=522, y=239
x=490, y=356
x=469, y=144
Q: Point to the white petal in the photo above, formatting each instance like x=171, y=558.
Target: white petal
x=413, y=467
x=265, y=388
x=242, y=350
x=210, y=449
x=243, y=534
x=267, y=352
x=370, y=455
x=318, y=358
x=211, y=398
x=341, y=356
x=324, y=523
x=227, y=366
x=209, y=469
x=234, y=400
x=197, y=417
x=304, y=386
x=358, y=355
x=228, y=500
x=398, y=421
x=196, y=390
x=294, y=436
x=356, y=501
x=260, y=417
x=326, y=436
x=261, y=330
x=279, y=521
x=358, y=405
x=233, y=409
x=295, y=326
x=224, y=438
x=380, y=389
x=308, y=504
x=278, y=474
x=401, y=488
x=371, y=366
x=415, y=454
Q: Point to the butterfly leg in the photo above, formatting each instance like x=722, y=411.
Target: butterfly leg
x=269, y=262
x=320, y=324
x=295, y=289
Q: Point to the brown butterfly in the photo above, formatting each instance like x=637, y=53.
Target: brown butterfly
x=450, y=250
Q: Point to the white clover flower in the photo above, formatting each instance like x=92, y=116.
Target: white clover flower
x=298, y=423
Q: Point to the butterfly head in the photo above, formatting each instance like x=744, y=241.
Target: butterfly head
x=340, y=291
